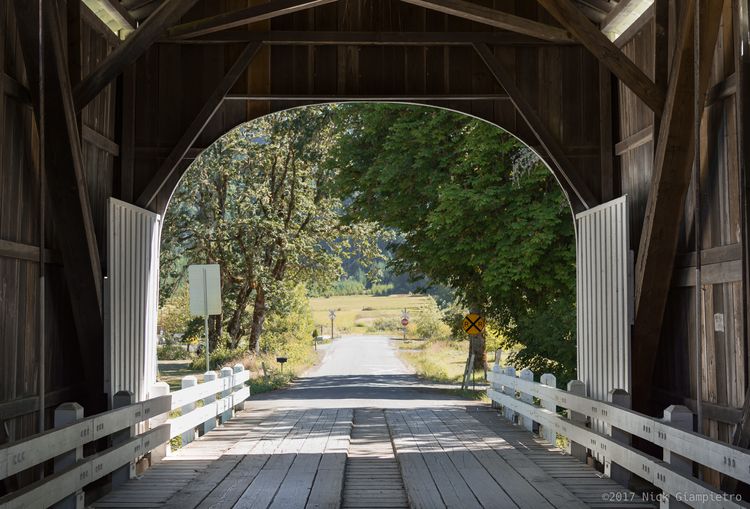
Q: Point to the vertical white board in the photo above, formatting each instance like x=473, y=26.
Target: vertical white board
x=205, y=289
x=132, y=299
x=604, y=298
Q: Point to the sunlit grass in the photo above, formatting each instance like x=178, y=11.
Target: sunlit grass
x=438, y=361
x=359, y=314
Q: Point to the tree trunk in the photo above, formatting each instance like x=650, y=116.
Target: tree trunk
x=478, y=347
x=214, y=331
x=259, y=316
x=478, y=344
x=234, y=327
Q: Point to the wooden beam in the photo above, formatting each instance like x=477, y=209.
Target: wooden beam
x=212, y=104
x=608, y=54
x=227, y=20
x=711, y=274
x=723, y=89
x=366, y=98
x=14, y=89
x=614, y=13
x=163, y=152
x=635, y=140
x=129, y=51
x=606, y=137
x=100, y=141
x=580, y=196
x=726, y=414
x=68, y=197
x=18, y=251
x=671, y=178
x=661, y=28
x=345, y=38
x=28, y=405
x=95, y=23
x=121, y=13
x=495, y=18
x=636, y=27
x=726, y=253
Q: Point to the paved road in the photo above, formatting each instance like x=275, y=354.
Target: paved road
x=357, y=372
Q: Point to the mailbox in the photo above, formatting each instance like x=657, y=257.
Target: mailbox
x=281, y=360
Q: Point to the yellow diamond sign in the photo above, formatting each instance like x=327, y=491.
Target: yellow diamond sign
x=473, y=323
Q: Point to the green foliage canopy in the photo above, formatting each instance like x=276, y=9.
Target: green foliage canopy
x=476, y=210
x=258, y=203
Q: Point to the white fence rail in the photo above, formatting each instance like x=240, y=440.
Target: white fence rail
x=64, y=444
x=673, y=473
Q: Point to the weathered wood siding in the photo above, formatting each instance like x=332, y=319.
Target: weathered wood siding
x=724, y=346
x=560, y=81
x=19, y=237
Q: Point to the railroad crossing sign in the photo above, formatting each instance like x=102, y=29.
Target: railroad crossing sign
x=473, y=324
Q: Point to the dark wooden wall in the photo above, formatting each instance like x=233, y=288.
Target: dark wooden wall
x=725, y=360
x=19, y=230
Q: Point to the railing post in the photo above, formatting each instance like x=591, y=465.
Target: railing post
x=227, y=414
x=680, y=417
x=619, y=397
x=189, y=435
x=576, y=450
x=548, y=433
x=208, y=377
x=126, y=472
x=238, y=368
x=507, y=411
x=496, y=369
x=498, y=356
x=528, y=422
x=64, y=415
x=159, y=452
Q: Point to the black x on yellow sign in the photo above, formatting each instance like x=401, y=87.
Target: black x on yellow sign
x=473, y=323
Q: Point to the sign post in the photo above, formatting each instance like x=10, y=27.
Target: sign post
x=404, y=320
x=473, y=324
x=332, y=316
x=205, y=295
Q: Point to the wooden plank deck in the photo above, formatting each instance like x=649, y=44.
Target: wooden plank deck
x=372, y=477
x=431, y=458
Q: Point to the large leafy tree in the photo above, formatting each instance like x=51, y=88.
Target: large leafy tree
x=477, y=212
x=258, y=203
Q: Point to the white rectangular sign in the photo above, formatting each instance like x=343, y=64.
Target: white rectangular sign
x=205, y=290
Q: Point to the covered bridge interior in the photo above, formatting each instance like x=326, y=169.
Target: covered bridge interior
x=121, y=95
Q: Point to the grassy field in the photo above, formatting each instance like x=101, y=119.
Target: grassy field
x=439, y=361
x=363, y=314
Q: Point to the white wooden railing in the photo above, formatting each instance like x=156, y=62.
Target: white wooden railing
x=535, y=406
x=134, y=429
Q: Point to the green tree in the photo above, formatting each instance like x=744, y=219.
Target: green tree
x=258, y=203
x=476, y=211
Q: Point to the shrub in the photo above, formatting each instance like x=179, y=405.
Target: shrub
x=429, y=324
x=286, y=331
x=172, y=352
x=219, y=358
x=386, y=324
x=381, y=290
